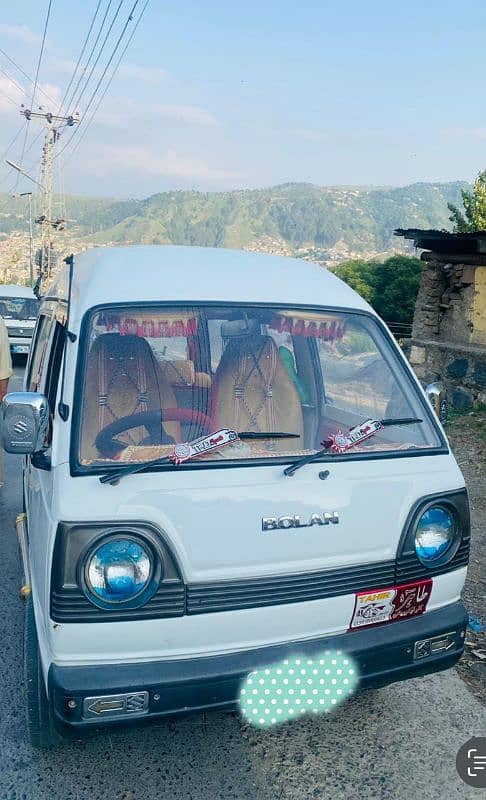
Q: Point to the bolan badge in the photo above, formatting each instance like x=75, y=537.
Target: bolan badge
x=205, y=444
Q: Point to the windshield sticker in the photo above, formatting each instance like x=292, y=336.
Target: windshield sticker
x=340, y=442
x=388, y=605
x=187, y=450
x=330, y=331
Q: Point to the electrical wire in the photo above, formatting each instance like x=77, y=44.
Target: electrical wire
x=24, y=73
x=41, y=53
x=85, y=129
x=74, y=99
x=79, y=98
x=36, y=80
x=13, y=81
x=81, y=54
x=7, y=150
x=129, y=19
x=11, y=144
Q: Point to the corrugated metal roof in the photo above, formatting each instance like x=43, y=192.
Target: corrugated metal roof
x=445, y=241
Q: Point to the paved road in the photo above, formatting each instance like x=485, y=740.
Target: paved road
x=399, y=742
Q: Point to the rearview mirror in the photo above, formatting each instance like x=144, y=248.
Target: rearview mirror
x=437, y=398
x=24, y=422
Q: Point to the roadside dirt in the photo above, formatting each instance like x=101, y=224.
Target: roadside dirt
x=467, y=435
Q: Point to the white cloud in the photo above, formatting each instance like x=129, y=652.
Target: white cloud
x=61, y=64
x=21, y=32
x=168, y=164
x=51, y=91
x=139, y=73
x=469, y=133
x=13, y=95
x=10, y=95
x=308, y=134
x=191, y=115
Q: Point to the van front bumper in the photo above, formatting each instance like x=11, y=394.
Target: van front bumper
x=384, y=654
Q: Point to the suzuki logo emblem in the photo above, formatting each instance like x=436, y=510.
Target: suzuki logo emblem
x=283, y=523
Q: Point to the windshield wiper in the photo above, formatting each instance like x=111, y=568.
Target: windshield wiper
x=384, y=423
x=268, y=435
x=130, y=469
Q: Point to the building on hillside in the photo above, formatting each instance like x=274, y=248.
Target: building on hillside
x=449, y=327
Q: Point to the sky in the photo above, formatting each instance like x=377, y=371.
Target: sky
x=219, y=95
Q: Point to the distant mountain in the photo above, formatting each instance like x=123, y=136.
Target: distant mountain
x=297, y=217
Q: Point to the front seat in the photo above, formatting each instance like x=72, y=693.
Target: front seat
x=122, y=378
x=252, y=391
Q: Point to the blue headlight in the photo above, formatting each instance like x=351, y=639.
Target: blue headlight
x=118, y=571
x=434, y=534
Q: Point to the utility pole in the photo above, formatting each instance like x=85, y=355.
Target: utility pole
x=45, y=254
x=31, y=260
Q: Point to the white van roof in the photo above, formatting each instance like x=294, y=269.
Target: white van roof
x=12, y=290
x=198, y=274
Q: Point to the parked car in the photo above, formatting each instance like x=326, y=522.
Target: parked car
x=18, y=307
x=229, y=461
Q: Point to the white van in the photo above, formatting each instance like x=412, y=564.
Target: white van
x=18, y=307
x=229, y=460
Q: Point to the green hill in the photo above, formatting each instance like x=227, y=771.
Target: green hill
x=297, y=215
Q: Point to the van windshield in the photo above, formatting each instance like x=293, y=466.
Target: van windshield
x=19, y=307
x=155, y=377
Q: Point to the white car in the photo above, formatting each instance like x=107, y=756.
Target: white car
x=229, y=461
x=18, y=307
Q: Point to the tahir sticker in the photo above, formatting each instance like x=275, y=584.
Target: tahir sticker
x=388, y=605
x=340, y=442
x=205, y=444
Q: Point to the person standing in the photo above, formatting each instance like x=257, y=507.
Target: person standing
x=5, y=372
x=5, y=360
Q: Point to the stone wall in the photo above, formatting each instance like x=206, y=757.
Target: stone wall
x=462, y=369
x=449, y=329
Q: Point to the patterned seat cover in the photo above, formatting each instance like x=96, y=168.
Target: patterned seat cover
x=252, y=391
x=122, y=378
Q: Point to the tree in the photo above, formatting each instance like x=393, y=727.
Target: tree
x=395, y=288
x=390, y=287
x=358, y=275
x=474, y=216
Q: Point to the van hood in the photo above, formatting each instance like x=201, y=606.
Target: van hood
x=224, y=524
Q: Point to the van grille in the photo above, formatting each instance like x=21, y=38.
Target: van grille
x=203, y=598
x=70, y=605
x=20, y=333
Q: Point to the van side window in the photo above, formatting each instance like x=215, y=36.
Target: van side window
x=39, y=346
x=54, y=366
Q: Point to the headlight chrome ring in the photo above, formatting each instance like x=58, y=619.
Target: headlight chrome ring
x=120, y=569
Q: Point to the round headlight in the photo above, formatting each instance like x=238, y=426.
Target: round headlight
x=118, y=571
x=434, y=534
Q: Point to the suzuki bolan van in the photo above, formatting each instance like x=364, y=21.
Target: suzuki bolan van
x=228, y=461
x=18, y=307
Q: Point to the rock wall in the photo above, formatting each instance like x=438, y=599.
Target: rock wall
x=462, y=369
x=449, y=328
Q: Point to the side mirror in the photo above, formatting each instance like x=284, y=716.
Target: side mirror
x=24, y=422
x=437, y=398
